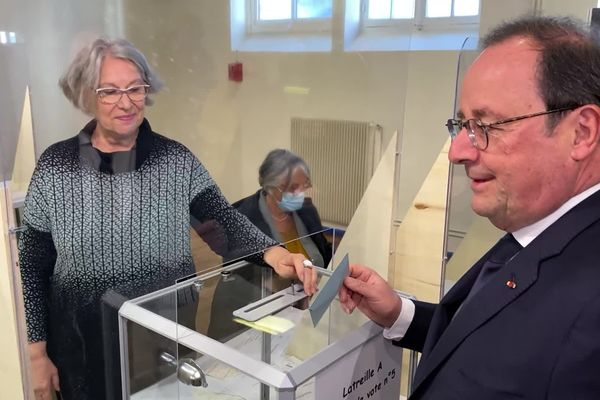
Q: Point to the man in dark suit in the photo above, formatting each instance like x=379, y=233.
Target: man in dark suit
x=524, y=321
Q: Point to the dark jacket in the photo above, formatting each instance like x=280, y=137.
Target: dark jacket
x=537, y=340
x=308, y=214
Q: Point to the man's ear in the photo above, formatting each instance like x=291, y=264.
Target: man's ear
x=587, y=131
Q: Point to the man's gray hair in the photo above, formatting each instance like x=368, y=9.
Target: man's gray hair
x=278, y=167
x=568, y=70
x=83, y=74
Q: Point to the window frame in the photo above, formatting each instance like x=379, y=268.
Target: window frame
x=420, y=22
x=290, y=26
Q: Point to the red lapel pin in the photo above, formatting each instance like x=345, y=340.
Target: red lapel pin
x=511, y=282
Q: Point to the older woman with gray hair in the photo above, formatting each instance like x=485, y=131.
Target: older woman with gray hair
x=281, y=210
x=109, y=209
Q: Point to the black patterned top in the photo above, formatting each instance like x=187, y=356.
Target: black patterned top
x=88, y=230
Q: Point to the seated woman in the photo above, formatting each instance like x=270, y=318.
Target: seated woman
x=281, y=210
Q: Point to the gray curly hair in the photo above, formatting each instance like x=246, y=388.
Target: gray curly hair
x=278, y=167
x=83, y=74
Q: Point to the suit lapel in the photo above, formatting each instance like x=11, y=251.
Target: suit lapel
x=487, y=303
x=446, y=334
x=449, y=305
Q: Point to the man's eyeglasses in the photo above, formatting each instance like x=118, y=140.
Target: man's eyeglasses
x=110, y=95
x=478, y=132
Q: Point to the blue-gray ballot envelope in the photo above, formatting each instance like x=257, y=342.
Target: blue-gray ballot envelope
x=329, y=291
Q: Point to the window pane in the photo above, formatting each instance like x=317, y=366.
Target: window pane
x=274, y=9
x=463, y=8
x=438, y=8
x=403, y=9
x=379, y=9
x=313, y=9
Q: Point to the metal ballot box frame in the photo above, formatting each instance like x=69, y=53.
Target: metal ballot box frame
x=225, y=357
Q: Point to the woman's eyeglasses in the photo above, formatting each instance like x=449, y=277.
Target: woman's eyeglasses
x=110, y=95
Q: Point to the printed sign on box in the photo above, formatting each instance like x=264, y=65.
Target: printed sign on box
x=371, y=372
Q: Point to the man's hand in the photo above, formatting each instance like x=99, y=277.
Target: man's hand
x=366, y=290
x=44, y=375
x=291, y=265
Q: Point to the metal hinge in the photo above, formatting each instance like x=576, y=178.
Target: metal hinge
x=14, y=231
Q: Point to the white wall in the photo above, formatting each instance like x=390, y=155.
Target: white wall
x=12, y=84
x=54, y=30
x=231, y=126
x=573, y=8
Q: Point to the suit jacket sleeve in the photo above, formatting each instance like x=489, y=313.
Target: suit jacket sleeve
x=414, y=338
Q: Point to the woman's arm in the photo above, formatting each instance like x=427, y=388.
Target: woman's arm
x=44, y=374
x=37, y=256
x=241, y=238
x=246, y=240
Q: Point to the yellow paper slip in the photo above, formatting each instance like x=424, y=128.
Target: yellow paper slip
x=269, y=324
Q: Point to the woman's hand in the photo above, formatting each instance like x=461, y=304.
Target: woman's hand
x=44, y=375
x=291, y=265
x=370, y=293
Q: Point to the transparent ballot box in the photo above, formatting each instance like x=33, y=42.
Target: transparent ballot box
x=239, y=331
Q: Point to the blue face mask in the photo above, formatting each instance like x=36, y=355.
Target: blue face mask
x=291, y=202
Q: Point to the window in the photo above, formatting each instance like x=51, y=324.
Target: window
x=293, y=9
x=401, y=25
x=281, y=25
x=423, y=14
x=290, y=15
x=367, y=25
x=8, y=37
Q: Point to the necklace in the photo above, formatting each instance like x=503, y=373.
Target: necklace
x=285, y=215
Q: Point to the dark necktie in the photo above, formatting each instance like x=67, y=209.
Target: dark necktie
x=505, y=250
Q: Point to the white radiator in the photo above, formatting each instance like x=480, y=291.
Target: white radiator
x=342, y=156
